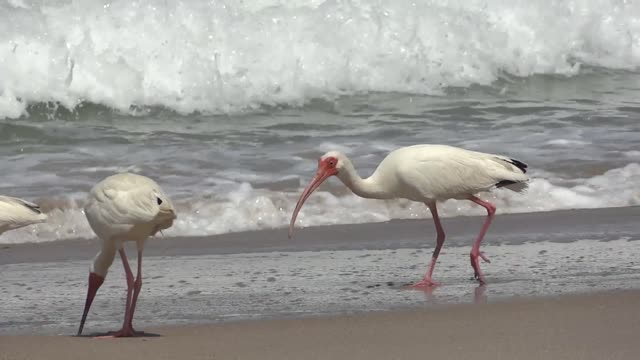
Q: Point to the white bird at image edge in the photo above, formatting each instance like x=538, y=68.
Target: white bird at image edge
x=16, y=213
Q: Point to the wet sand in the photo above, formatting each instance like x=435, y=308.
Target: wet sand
x=596, y=326
x=324, y=271
x=554, y=226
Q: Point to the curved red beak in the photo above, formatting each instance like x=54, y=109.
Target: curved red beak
x=325, y=170
x=95, y=281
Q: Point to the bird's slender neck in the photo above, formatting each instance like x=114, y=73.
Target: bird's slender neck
x=104, y=259
x=367, y=188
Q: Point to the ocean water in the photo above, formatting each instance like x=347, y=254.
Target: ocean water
x=228, y=104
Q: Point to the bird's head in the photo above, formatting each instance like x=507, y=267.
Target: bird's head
x=329, y=164
x=334, y=160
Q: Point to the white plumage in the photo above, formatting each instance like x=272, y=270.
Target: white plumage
x=124, y=207
x=438, y=172
x=427, y=173
x=16, y=213
x=128, y=207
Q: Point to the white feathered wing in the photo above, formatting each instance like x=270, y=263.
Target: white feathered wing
x=16, y=213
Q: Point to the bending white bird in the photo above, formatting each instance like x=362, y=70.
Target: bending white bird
x=16, y=213
x=124, y=207
x=427, y=173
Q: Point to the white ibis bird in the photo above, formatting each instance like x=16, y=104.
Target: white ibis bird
x=427, y=173
x=124, y=207
x=16, y=213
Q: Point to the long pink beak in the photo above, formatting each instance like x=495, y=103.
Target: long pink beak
x=324, y=172
x=95, y=281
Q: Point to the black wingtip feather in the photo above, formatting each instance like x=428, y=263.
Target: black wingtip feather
x=35, y=209
x=519, y=164
x=505, y=183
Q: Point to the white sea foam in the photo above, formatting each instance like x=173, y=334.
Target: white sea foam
x=232, y=55
x=246, y=208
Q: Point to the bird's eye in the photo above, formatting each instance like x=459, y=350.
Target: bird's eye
x=159, y=201
x=331, y=163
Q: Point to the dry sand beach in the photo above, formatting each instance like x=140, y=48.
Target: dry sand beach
x=601, y=326
x=562, y=285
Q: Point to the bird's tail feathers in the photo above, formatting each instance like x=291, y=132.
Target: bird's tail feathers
x=39, y=216
x=517, y=163
x=167, y=213
x=517, y=186
x=42, y=217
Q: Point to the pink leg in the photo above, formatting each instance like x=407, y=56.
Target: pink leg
x=127, y=330
x=427, y=282
x=136, y=291
x=475, y=251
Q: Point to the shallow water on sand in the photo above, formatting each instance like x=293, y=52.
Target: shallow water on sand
x=47, y=298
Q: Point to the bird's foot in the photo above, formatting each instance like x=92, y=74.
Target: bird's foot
x=137, y=333
x=124, y=332
x=475, y=264
x=483, y=257
x=480, y=278
x=424, y=284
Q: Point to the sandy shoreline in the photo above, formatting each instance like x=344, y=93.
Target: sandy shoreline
x=324, y=271
x=596, y=326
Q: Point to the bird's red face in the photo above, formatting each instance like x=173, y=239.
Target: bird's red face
x=327, y=167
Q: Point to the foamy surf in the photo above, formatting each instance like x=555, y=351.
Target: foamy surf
x=226, y=57
x=246, y=208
